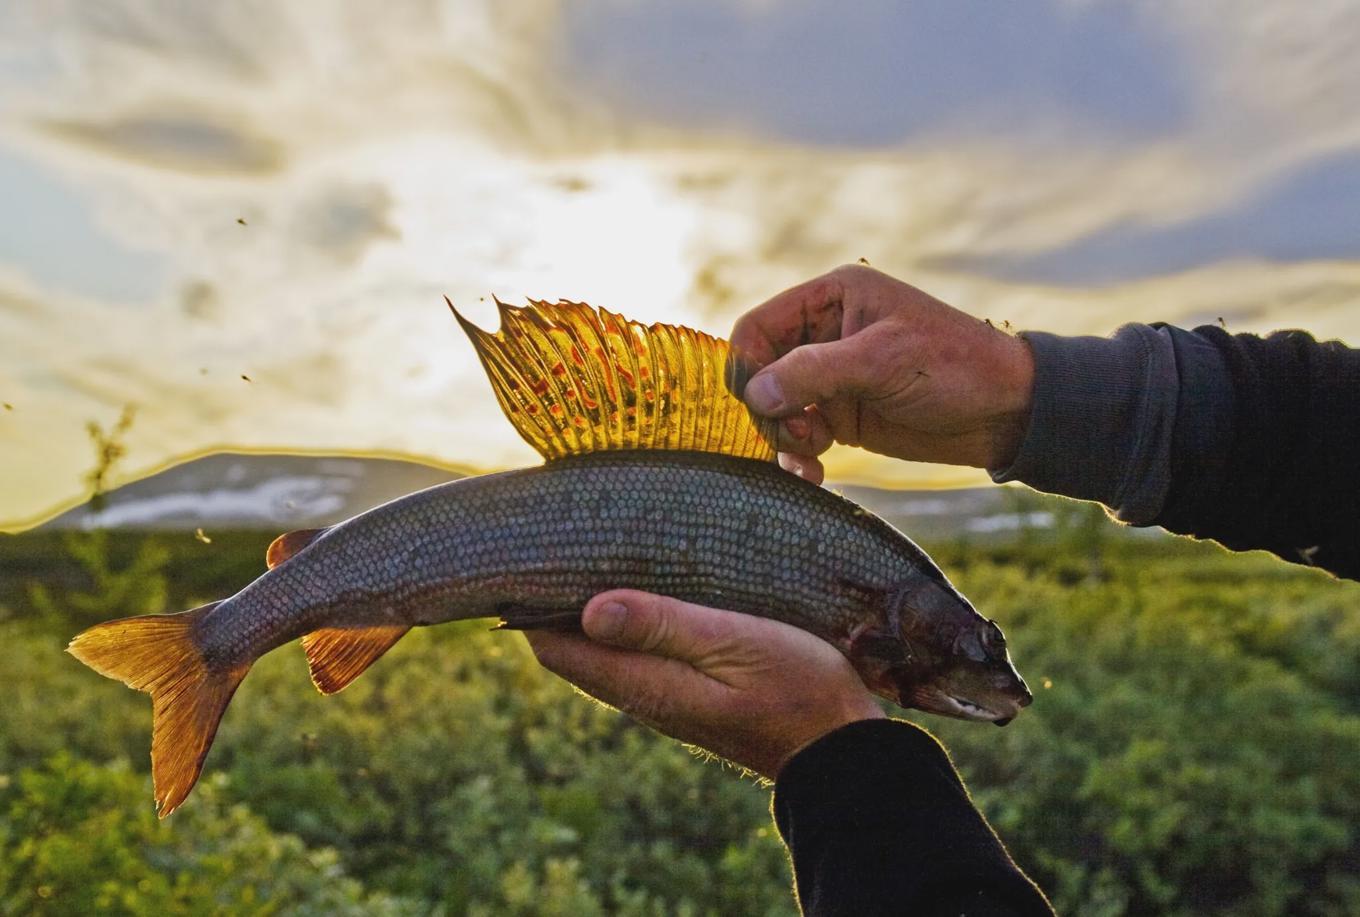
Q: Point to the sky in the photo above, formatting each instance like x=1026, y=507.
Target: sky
x=242, y=217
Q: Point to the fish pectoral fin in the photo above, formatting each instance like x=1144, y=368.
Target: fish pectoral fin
x=526, y=618
x=880, y=646
x=862, y=589
x=289, y=543
x=338, y=655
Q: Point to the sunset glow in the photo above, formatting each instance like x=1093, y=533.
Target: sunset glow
x=287, y=192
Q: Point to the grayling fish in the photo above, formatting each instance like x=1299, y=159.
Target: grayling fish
x=657, y=478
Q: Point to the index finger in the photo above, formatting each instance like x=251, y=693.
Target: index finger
x=810, y=313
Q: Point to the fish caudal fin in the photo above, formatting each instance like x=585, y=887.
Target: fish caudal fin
x=157, y=654
x=338, y=655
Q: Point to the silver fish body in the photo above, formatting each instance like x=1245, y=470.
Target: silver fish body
x=532, y=546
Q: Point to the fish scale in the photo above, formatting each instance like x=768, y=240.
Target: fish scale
x=696, y=526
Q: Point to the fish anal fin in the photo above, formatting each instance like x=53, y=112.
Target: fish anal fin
x=157, y=654
x=575, y=379
x=338, y=655
x=289, y=543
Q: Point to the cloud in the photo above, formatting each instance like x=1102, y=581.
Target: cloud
x=1311, y=212
x=287, y=191
x=882, y=72
x=345, y=219
x=194, y=142
x=199, y=300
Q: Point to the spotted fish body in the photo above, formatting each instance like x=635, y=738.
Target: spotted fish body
x=533, y=546
x=657, y=479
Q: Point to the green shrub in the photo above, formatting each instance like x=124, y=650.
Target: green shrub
x=1190, y=751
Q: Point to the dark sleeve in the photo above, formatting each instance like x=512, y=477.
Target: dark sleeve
x=1282, y=469
x=1253, y=442
x=877, y=821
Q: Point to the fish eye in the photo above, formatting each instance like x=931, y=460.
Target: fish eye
x=995, y=639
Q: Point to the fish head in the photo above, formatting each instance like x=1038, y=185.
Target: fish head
x=948, y=660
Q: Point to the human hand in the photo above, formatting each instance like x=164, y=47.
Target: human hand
x=751, y=690
x=857, y=357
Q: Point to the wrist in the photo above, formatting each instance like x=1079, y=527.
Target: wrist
x=860, y=714
x=1014, y=405
x=1101, y=421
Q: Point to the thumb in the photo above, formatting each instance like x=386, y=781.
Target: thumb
x=656, y=624
x=810, y=374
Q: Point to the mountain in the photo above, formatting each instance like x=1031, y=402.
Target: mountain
x=255, y=492
x=280, y=492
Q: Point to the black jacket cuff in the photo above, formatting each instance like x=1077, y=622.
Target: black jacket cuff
x=1103, y=416
x=878, y=821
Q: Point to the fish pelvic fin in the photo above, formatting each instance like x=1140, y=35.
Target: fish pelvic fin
x=573, y=379
x=157, y=654
x=338, y=655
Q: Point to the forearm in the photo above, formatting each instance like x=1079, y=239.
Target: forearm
x=1282, y=473
x=878, y=822
x=1241, y=439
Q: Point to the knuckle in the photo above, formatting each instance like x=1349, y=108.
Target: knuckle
x=853, y=272
x=820, y=439
x=812, y=368
x=659, y=626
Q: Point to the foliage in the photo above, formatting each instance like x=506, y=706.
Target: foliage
x=109, y=450
x=112, y=589
x=1191, y=751
x=78, y=838
x=1181, y=756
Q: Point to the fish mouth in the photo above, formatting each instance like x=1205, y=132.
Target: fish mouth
x=966, y=709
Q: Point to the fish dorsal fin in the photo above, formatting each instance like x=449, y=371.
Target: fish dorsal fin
x=338, y=655
x=574, y=379
x=288, y=544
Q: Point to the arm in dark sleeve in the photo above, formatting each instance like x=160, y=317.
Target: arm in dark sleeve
x=1282, y=471
x=1250, y=441
x=877, y=821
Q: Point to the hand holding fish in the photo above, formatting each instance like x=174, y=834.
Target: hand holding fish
x=857, y=357
x=752, y=690
x=656, y=478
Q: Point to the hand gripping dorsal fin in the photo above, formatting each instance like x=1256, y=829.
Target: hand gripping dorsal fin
x=575, y=379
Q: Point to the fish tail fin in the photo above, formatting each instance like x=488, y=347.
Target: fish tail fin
x=157, y=654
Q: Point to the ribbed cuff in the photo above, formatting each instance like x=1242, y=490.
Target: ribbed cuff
x=1102, y=422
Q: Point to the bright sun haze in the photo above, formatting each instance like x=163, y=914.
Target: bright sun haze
x=199, y=194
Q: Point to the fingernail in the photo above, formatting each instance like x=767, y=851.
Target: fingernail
x=798, y=427
x=765, y=394
x=608, y=620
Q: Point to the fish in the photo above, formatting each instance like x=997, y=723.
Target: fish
x=656, y=477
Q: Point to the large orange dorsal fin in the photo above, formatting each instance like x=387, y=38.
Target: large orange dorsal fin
x=338, y=655
x=289, y=543
x=575, y=379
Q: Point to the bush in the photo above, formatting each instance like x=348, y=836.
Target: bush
x=80, y=838
x=1190, y=751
